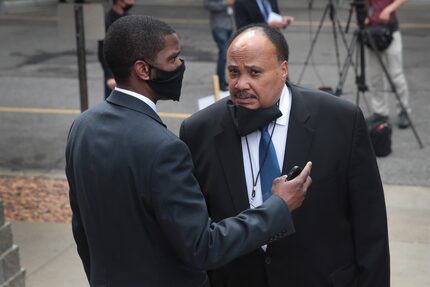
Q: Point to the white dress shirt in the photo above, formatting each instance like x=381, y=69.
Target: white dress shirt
x=279, y=140
x=138, y=96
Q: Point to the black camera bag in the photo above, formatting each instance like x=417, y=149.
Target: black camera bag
x=382, y=35
x=380, y=131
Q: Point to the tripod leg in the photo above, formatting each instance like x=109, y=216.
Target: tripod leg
x=342, y=33
x=361, y=78
x=346, y=64
x=366, y=103
x=348, y=50
x=357, y=76
x=313, y=43
x=336, y=44
x=393, y=87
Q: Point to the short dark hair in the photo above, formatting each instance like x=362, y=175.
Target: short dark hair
x=133, y=38
x=274, y=35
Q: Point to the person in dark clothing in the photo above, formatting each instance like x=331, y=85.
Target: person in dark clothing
x=119, y=9
x=260, y=11
x=341, y=236
x=221, y=22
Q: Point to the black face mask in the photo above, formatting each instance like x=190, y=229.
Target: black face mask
x=127, y=7
x=167, y=85
x=247, y=120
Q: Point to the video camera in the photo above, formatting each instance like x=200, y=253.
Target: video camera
x=361, y=11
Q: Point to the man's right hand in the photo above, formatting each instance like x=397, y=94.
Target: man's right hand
x=286, y=21
x=293, y=192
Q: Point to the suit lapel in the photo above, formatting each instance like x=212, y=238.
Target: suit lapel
x=254, y=11
x=229, y=150
x=132, y=103
x=274, y=4
x=300, y=134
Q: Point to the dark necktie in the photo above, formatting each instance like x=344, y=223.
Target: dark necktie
x=266, y=9
x=269, y=167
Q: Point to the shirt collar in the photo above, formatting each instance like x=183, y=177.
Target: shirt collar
x=284, y=106
x=146, y=100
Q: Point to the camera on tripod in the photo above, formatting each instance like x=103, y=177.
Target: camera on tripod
x=377, y=36
x=381, y=34
x=361, y=11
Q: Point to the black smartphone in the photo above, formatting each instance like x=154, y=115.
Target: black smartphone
x=295, y=171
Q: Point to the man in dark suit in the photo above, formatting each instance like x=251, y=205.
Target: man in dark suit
x=259, y=11
x=139, y=217
x=341, y=229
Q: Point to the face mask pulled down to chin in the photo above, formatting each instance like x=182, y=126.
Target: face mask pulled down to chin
x=247, y=120
x=167, y=85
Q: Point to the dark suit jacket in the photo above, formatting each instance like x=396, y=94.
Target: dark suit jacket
x=247, y=12
x=139, y=218
x=341, y=231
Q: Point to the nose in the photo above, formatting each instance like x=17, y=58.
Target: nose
x=241, y=83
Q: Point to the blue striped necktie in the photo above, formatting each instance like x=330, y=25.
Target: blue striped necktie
x=269, y=167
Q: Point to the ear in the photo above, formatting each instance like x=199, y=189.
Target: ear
x=284, y=70
x=142, y=70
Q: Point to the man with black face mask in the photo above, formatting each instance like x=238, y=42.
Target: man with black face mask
x=266, y=127
x=139, y=217
x=119, y=9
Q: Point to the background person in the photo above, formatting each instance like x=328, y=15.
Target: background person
x=341, y=234
x=221, y=22
x=119, y=9
x=258, y=11
x=384, y=12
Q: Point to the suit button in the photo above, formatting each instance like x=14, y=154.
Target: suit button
x=268, y=260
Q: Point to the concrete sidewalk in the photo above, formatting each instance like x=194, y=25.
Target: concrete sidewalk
x=48, y=251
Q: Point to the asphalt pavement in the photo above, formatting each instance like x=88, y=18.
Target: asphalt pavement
x=39, y=98
x=40, y=94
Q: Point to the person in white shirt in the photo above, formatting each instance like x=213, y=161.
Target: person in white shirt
x=266, y=127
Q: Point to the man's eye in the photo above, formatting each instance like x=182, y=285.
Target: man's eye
x=255, y=73
x=233, y=72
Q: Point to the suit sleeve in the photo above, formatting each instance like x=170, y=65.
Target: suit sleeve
x=79, y=235
x=368, y=210
x=77, y=226
x=181, y=211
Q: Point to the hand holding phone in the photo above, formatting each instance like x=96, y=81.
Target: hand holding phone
x=293, y=192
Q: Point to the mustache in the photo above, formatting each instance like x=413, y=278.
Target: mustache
x=243, y=95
